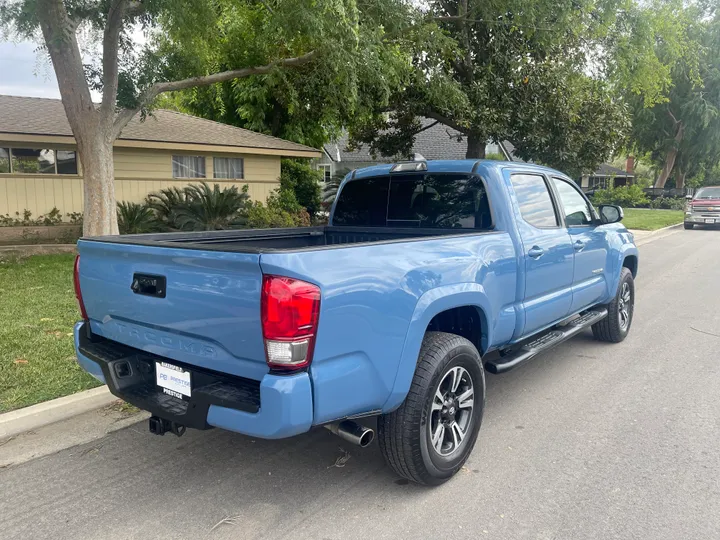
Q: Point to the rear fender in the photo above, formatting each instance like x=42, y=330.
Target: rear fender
x=430, y=304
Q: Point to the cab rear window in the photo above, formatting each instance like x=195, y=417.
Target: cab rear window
x=443, y=201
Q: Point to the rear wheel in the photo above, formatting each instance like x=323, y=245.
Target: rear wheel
x=688, y=226
x=430, y=436
x=615, y=327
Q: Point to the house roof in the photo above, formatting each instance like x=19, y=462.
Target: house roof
x=436, y=142
x=44, y=117
x=608, y=170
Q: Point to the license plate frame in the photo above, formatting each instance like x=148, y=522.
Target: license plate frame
x=173, y=380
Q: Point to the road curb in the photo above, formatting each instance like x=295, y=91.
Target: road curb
x=656, y=235
x=15, y=422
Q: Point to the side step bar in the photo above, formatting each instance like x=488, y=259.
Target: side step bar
x=545, y=342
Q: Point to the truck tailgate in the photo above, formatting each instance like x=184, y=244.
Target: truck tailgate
x=207, y=315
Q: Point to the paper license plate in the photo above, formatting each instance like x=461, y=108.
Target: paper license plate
x=709, y=221
x=174, y=380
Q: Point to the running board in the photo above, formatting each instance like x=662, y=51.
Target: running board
x=547, y=341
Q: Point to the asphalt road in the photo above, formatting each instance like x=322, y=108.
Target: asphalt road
x=590, y=441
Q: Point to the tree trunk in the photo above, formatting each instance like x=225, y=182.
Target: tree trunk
x=680, y=179
x=670, y=157
x=667, y=168
x=475, y=146
x=100, y=208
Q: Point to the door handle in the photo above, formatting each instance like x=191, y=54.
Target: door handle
x=535, y=252
x=579, y=245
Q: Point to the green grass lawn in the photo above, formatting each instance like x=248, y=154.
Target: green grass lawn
x=37, y=313
x=650, y=220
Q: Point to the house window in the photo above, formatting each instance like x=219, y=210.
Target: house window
x=228, y=168
x=4, y=160
x=66, y=162
x=327, y=173
x=37, y=161
x=599, y=182
x=188, y=166
x=33, y=161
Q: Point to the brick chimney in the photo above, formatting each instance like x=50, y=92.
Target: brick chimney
x=630, y=165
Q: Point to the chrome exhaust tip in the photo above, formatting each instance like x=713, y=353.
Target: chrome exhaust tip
x=352, y=432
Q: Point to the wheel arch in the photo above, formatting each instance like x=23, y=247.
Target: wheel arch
x=435, y=307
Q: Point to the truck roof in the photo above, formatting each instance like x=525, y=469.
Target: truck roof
x=456, y=166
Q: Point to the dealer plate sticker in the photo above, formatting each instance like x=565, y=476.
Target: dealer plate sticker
x=174, y=381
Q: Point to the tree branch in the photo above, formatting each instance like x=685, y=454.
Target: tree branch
x=156, y=89
x=435, y=123
x=111, y=45
x=446, y=121
x=675, y=120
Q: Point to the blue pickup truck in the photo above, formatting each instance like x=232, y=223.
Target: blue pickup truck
x=429, y=274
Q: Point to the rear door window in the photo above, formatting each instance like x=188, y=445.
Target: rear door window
x=534, y=199
x=443, y=201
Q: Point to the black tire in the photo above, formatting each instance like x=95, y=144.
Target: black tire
x=404, y=434
x=612, y=328
x=688, y=226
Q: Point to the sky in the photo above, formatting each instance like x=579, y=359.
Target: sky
x=23, y=72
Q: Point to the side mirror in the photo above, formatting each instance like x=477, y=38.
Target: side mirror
x=610, y=213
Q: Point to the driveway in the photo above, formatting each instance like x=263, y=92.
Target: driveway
x=590, y=441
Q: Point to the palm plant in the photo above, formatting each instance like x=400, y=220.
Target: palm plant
x=134, y=218
x=165, y=203
x=208, y=208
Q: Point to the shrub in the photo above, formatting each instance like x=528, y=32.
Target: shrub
x=626, y=196
x=668, y=203
x=53, y=217
x=134, y=218
x=281, y=210
x=304, y=181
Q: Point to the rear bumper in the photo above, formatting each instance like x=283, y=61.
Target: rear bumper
x=278, y=406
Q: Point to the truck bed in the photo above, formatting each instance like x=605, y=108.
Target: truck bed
x=274, y=240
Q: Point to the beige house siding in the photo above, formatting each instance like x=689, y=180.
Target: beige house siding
x=137, y=173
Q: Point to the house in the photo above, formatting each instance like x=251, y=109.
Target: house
x=40, y=169
x=436, y=141
x=606, y=176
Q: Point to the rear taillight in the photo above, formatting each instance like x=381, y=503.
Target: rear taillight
x=78, y=292
x=289, y=311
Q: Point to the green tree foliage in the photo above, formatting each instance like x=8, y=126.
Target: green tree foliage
x=678, y=124
x=362, y=56
x=515, y=70
x=303, y=181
